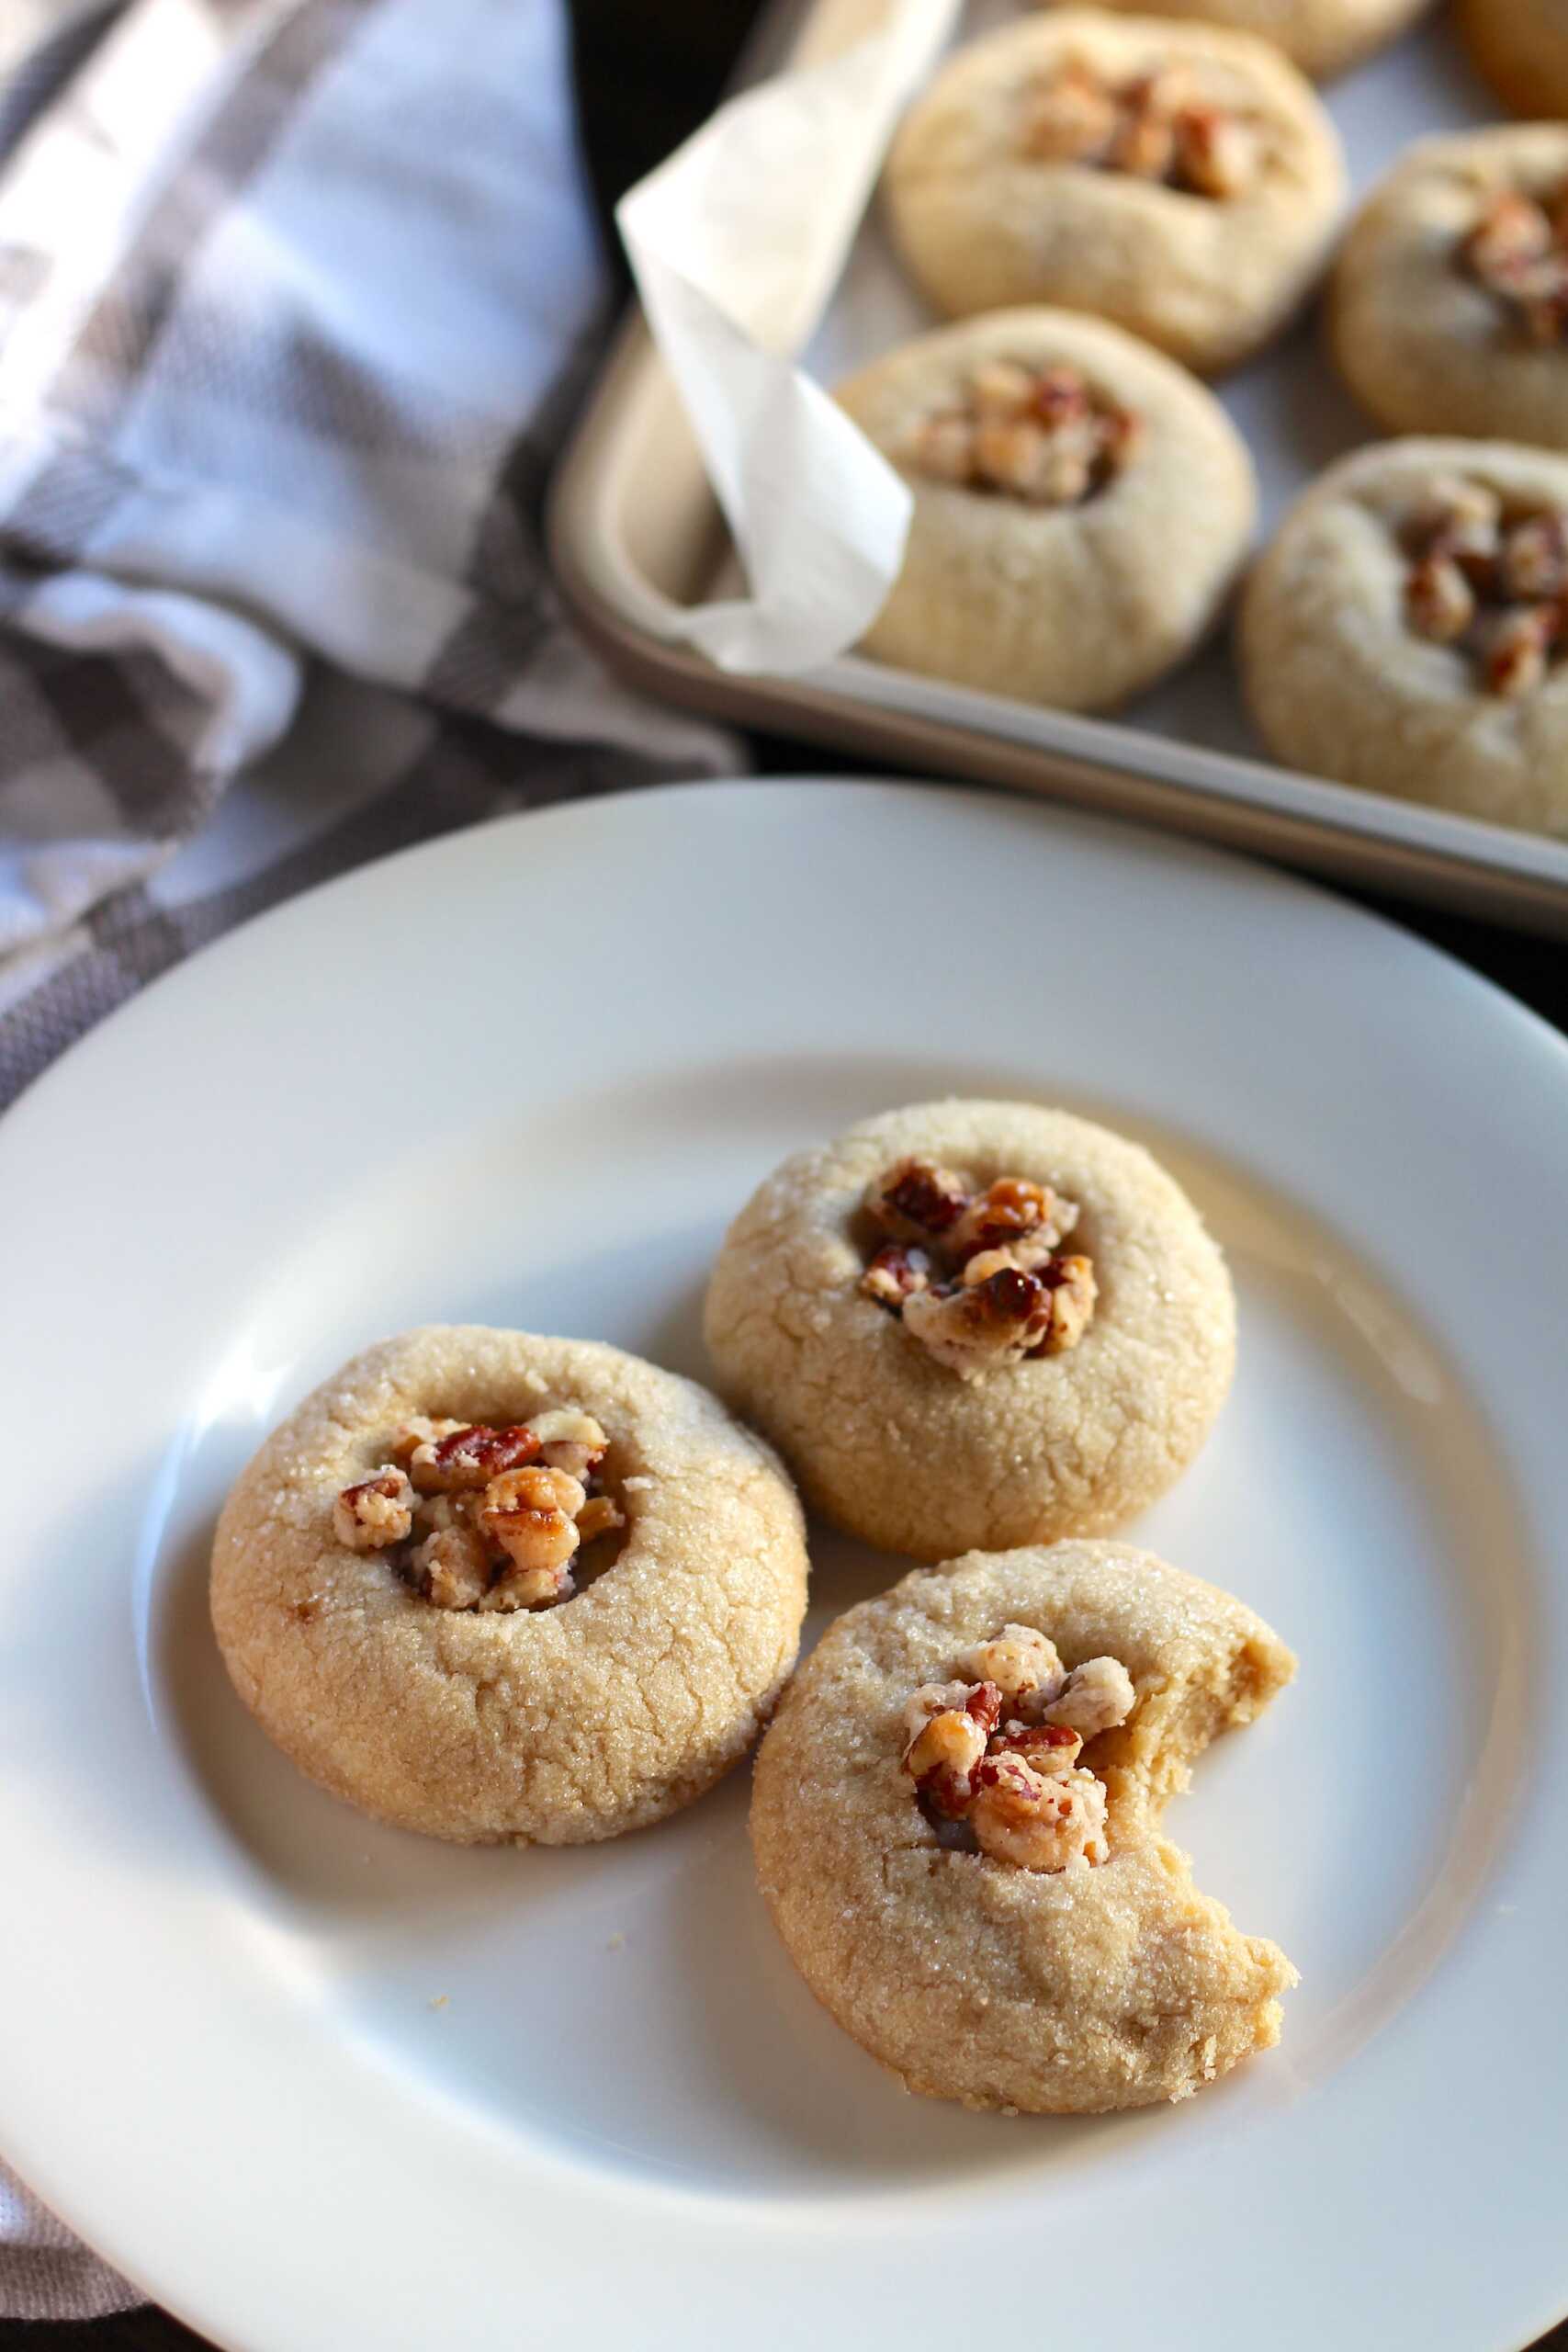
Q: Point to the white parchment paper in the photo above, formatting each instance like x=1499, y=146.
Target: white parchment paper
x=736, y=242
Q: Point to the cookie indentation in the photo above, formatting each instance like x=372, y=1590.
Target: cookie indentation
x=976, y=1274
x=1489, y=580
x=1159, y=126
x=1518, y=251
x=997, y=1758
x=480, y=1517
x=1043, y=435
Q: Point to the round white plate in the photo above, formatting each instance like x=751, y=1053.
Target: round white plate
x=316, y=2083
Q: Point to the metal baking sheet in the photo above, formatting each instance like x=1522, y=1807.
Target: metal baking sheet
x=635, y=532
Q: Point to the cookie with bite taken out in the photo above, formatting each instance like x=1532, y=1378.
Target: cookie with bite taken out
x=957, y=1823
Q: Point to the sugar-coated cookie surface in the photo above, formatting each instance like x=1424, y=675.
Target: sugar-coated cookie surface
x=1521, y=46
x=899, y=1429
x=1180, y=180
x=1076, y=600
x=1449, y=301
x=1405, y=630
x=557, y=1724
x=1111, y=1985
x=1324, y=37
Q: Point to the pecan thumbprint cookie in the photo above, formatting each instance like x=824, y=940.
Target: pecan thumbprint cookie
x=1407, y=630
x=956, y=1818
x=496, y=1587
x=1081, y=507
x=974, y=1324
x=1449, y=305
x=1179, y=179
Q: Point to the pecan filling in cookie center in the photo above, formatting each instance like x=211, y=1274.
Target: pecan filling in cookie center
x=994, y=1754
x=1155, y=126
x=1489, y=581
x=1518, y=251
x=1040, y=435
x=482, y=1517
x=978, y=1277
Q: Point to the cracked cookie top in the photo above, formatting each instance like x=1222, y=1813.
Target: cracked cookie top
x=494, y=1586
x=974, y=1324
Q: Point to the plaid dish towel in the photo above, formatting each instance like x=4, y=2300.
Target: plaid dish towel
x=295, y=296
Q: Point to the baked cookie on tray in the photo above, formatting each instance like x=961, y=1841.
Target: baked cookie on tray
x=1179, y=179
x=1324, y=37
x=1082, y=507
x=956, y=1822
x=1407, y=630
x=1449, y=306
x=973, y=1324
x=496, y=1587
x=1521, y=46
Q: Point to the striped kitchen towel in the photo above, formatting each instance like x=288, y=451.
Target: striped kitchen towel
x=296, y=297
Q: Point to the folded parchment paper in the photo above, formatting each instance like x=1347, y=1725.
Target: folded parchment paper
x=735, y=270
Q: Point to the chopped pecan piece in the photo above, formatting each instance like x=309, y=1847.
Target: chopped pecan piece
x=375, y=1513
x=1037, y=434
x=1009, y=1211
x=599, y=1516
x=1460, y=520
x=1143, y=144
x=420, y=1432
x=1533, y=562
x=1518, y=252
x=1050, y=1749
x=1512, y=231
x=1037, y=1820
x=1044, y=465
x=1071, y=117
x=1439, y=600
x=941, y=1756
x=454, y=1565
x=1018, y=1786
x=1098, y=1696
x=1157, y=126
x=1520, y=647
x=470, y=1455
x=894, y=1274
x=1491, y=585
x=1020, y=1661
x=532, y=1514
x=568, y=1441
x=991, y=1285
x=1074, y=1293
x=1216, y=153
x=999, y=1319
x=1000, y=388
x=916, y=1199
